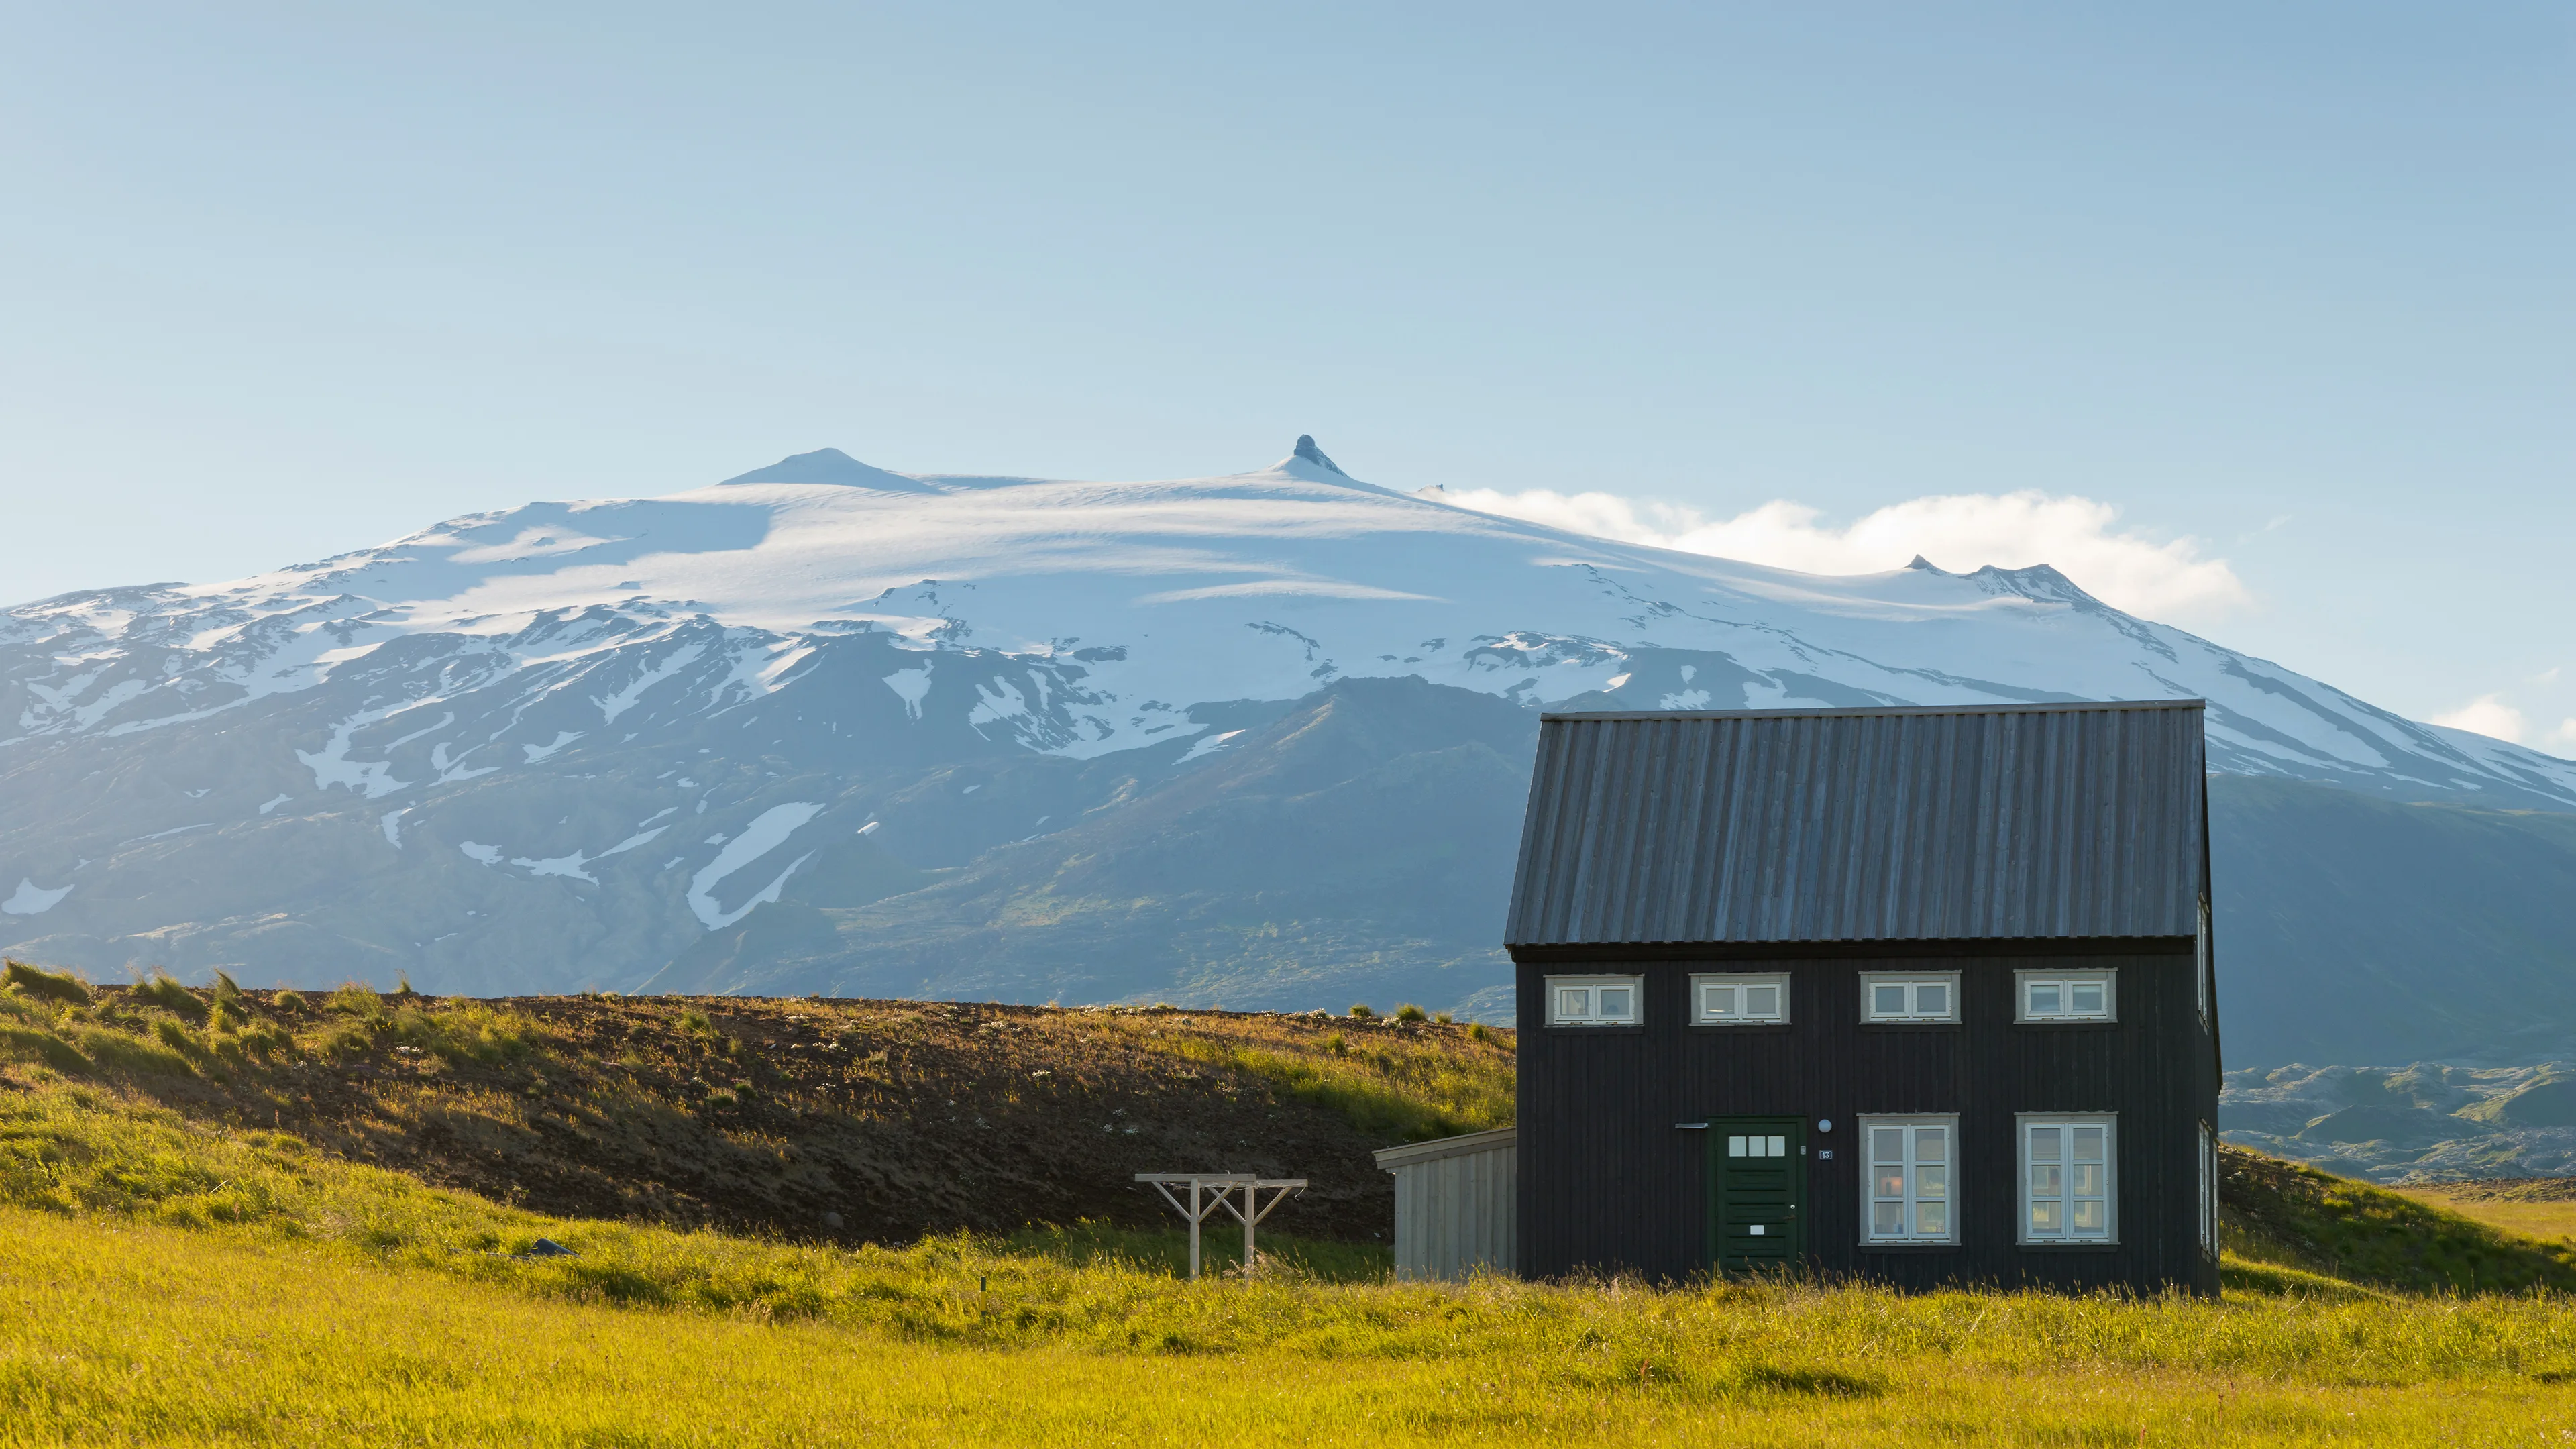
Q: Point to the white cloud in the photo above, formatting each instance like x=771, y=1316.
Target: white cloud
x=1959, y=532
x=2489, y=715
x=2562, y=740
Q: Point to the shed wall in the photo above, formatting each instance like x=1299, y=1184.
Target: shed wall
x=1457, y=1213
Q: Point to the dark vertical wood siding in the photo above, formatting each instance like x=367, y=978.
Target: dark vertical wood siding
x=1608, y=1183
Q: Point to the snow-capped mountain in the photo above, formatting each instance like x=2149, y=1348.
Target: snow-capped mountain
x=558, y=744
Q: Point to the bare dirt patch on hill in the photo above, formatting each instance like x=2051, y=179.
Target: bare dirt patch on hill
x=849, y=1121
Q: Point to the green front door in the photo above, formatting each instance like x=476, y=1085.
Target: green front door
x=1757, y=1192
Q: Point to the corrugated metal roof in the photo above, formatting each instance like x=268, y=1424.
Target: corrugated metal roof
x=1976, y=822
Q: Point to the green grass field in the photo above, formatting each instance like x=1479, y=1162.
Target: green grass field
x=166, y=1278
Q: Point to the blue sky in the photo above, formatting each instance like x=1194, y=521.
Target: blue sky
x=2288, y=287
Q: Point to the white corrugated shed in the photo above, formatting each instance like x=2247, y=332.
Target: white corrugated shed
x=1456, y=1204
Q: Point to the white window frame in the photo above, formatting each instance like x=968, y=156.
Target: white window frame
x=1912, y=981
x=2200, y=966
x=1750, y=1144
x=2065, y=982
x=2068, y=1194
x=1590, y=1014
x=1736, y=985
x=2208, y=1190
x=1914, y=1196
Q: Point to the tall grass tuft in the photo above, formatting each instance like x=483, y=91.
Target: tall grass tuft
x=162, y=990
x=45, y=985
x=356, y=998
x=116, y=1051
x=23, y=1043
x=462, y=1031
x=176, y=1037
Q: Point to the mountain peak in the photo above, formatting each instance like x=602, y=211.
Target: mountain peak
x=1307, y=450
x=831, y=465
x=2040, y=582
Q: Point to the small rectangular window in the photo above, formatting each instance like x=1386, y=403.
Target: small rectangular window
x=1595, y=1000
x=2047, y=996
x=1739, y=1000
x=1887, y=996
x=1905, y=1194
x=2067, y=1165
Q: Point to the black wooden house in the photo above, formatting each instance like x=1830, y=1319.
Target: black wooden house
x=1917, y=995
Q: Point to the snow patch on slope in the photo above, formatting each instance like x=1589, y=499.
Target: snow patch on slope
x=31, y=899
x=911, y=686
x=765, y=833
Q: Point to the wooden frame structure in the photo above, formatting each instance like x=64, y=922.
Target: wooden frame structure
x=1212, y=1190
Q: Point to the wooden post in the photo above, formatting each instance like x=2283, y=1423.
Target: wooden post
x=1212, y=1190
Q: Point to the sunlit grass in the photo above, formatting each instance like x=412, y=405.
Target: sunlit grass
x=2552, y=1219
x=114, y=1332
x=168, y=1278
x=1408, y=1081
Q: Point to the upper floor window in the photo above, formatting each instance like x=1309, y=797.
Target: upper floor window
x=2067, y=1193
x=1740, y=1000
x=1913, y=997
x=1905, y=1195
x=2066, y=996
x=1595, y=1000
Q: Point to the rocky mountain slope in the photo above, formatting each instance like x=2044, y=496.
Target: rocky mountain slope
x=2427, y=1122
x=1248, y=738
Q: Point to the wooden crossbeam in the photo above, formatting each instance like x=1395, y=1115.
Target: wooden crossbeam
x=1212, y=1190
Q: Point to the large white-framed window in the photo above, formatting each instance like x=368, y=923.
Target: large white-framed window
x=2208, y=1190
x=2046, y=996
x=1595, y=1000
x=1909, y=996
x=1740, y=999
x=2068, y=1164
x=2200, y=963
x=1906, y=1195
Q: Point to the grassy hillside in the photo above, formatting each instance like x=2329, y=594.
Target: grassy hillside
x=2532, y=1207
x=2280, y=1215
x=167, y=1280
x=839, y=1121
x=173, y=1269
